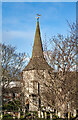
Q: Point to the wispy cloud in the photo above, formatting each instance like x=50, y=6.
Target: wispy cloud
x=20, y=39
x=10, y=35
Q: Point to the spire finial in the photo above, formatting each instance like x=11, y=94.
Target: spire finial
x=38, y=15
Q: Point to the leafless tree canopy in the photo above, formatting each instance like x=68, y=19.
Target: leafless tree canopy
x=12, y=65
x=61, y=54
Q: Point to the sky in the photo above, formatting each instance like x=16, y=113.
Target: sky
x=39, y=0
x=19, y=21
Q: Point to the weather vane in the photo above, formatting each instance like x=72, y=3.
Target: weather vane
x=38, y=15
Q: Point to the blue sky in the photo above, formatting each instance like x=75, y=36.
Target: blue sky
x=39, y=0
x=19, y=21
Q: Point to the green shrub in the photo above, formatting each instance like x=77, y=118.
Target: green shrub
x=8, y=117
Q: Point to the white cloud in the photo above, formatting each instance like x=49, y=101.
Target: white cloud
x=10, y=35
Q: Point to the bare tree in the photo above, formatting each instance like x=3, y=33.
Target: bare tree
x=12, y=83
x=61, y=55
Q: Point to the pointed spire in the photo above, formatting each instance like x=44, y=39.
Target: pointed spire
x=37, y=47
x=37, y=61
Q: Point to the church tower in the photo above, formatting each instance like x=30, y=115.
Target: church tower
x=34, y=74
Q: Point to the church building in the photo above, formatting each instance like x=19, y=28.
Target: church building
x=35, y=75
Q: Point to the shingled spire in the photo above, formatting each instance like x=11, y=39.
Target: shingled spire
x=37, y=61
x=37, y=48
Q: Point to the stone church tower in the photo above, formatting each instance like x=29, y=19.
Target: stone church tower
x=35, y=73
